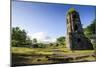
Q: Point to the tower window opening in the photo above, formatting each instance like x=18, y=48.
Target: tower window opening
x=75, y=27
x=78, y=40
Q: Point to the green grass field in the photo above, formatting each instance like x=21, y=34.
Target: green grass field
x=27, y=56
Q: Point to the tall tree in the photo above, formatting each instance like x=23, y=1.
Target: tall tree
x=34, y=41
x=91, y=29
x=19, y=37
x=61, y=41
x=28, y=41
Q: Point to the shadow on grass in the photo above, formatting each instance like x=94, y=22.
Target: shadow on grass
x=22, y=60
x=18, y=59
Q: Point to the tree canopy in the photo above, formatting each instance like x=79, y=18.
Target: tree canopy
x=61, y=41
x=19, y=37
x=91, y=29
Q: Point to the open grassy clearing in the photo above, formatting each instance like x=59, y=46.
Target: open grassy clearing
x=25, y=56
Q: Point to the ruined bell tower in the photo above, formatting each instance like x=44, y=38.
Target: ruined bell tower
x=75, y=36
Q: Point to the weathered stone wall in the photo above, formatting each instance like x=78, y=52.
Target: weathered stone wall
x=75, y=35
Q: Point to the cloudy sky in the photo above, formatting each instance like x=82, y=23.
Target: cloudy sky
x=46, y=21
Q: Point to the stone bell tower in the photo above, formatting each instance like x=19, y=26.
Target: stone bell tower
x=75, y=35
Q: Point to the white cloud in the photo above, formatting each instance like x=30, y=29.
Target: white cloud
x=39, y=35
x=43, y=37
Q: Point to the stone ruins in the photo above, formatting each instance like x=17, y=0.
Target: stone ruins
x=75, y=35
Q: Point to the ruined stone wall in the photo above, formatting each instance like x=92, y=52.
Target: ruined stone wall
x=75, y=36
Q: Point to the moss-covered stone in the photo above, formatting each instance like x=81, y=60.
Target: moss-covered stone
x=71, y=10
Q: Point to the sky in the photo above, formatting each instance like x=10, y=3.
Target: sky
x=47, y=21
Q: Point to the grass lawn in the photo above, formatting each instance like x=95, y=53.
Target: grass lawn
x=26, y=56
